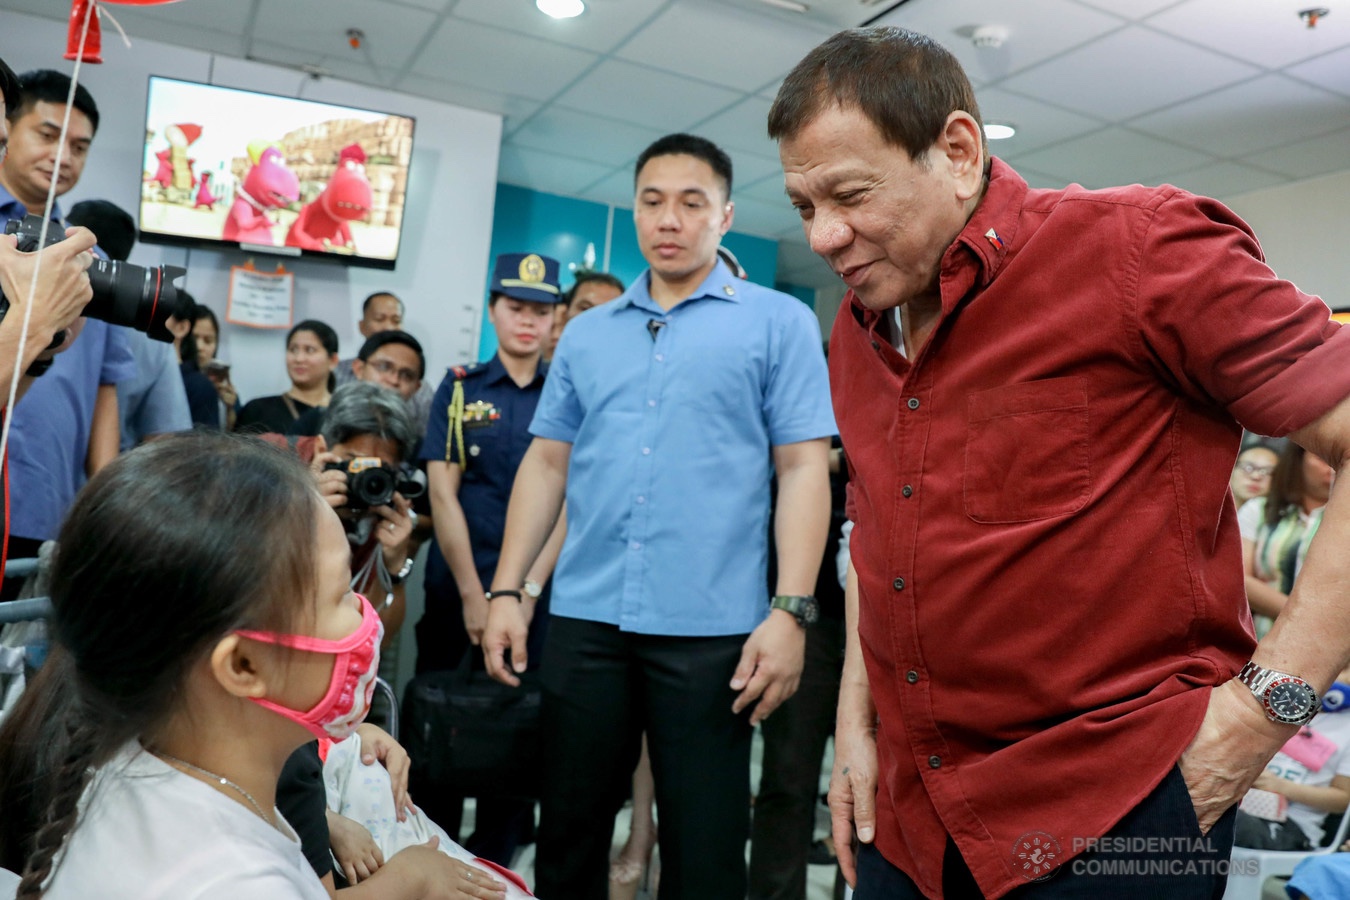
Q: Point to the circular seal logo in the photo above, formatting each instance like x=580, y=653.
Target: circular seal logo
x=1036, y=855
x=532, y=268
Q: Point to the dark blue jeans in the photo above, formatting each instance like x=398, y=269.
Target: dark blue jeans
x=1167, y=812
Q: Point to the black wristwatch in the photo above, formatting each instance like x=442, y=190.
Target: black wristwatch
x=1287, y=699
x=402, y=574
x=804, y=609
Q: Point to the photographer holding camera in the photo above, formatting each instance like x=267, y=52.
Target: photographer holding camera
x=63, y=285
x=67, y=428
x=367, y=435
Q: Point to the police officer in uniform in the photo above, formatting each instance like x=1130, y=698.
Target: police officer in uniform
x=476, y=435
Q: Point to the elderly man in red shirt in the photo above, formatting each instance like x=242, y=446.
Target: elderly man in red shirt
x=1051, y=685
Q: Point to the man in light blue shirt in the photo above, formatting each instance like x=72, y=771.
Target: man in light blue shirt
x=664, y=416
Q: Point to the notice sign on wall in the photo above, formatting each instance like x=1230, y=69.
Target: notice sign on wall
x=260, y=299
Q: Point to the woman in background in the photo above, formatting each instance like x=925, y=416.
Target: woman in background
x=206, y=335
x=311, y=357
x=1273, y=526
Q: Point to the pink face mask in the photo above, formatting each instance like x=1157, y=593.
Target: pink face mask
x=355, y=664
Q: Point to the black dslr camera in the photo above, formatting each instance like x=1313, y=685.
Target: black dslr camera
x=371, y=483
x=124, y=294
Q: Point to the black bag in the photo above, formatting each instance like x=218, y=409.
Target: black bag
x=472, y=736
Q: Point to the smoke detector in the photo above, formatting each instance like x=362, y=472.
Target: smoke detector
x=989, y=37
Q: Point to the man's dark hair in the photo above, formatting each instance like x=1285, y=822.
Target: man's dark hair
x=111, y=224
x=9, y=86
x=51, y=86
x=376, y=341
x=365, y=304
x=689, y=145
x=905, y=83
x=586, y=277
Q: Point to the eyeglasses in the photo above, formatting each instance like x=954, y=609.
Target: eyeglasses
x=1254, y=470
x=385, y=367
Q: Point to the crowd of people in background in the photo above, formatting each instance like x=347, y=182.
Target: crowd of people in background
x=643, y=507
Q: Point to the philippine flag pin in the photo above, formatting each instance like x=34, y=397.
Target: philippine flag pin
x=992, y=236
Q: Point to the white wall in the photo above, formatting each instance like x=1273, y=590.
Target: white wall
x=443, y=259
x=1302, y=229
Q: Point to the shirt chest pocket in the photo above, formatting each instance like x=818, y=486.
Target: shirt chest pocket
x=1027, y=451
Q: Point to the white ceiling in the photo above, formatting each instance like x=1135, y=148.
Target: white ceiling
x=1218, y=96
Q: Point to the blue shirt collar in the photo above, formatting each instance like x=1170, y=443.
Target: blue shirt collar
x=11, y=208
x=720, y=284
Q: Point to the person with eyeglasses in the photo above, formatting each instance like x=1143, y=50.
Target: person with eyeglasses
x=381, y=312
x=1251, y=473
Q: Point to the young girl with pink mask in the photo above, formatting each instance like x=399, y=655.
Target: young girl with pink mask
x=203, y=629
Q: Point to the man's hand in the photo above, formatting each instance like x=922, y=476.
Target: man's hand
x=63, y=281
x=1231, y=749
x=332, y=482
x=377, y=745
x=507, y=628
x=354, y=849
x=393, y=529
x=770, y=666
x=853, y=794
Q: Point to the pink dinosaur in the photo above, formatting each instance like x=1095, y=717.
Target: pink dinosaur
x=268, y=185
x=204, y=195
x=322, y=223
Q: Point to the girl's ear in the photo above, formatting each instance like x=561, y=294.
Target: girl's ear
x=238, y=666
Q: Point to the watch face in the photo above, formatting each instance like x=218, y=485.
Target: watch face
x=1290, y=699
x=810, y=612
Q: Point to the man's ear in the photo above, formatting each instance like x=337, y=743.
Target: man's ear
x=237, y=668
x=731, y=215
x=962, y=148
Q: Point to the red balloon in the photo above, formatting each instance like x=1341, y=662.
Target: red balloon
x=93, y=41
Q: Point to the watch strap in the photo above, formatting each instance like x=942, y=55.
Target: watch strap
x=801, y=606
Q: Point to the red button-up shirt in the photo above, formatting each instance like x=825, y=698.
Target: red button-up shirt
x=1049, y=564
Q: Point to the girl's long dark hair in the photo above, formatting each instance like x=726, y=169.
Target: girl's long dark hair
x=1286, y=485
x=166, y=551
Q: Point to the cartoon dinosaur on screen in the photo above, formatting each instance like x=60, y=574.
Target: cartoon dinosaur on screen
x=175, y=168
x=204, y=195
x=268, y=185
x=322, y=224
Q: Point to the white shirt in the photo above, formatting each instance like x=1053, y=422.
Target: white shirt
x=149, y=832
x=1336, y=727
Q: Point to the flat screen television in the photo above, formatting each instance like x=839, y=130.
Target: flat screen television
x=226, y=167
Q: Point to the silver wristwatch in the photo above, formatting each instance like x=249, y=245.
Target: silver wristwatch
x=532, y=589
x=1287, y=699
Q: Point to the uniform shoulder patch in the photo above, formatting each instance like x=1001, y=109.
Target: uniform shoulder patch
x=466, y=371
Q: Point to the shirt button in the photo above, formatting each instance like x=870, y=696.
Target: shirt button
x=912, y=676
x=641, y=500
x=660, y=357
x=635, y=545
x=913, y=401
x=876, y=346
x=646, y=451
x=898, y=584
x=907, y=491
x=934, y=762
x=651, y=402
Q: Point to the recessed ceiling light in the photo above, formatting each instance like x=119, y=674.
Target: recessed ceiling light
x=997, y=131
x=561, y=9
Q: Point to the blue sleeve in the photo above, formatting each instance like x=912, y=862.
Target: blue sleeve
x=797, y=397
x=164, y=408
x=118, y=362
x=559, y=414
x=438, y=422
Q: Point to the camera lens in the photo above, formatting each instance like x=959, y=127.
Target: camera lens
x=371, y=487
x=137, y=297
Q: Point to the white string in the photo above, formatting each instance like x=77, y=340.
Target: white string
x=105, y=14
x=42, y=240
